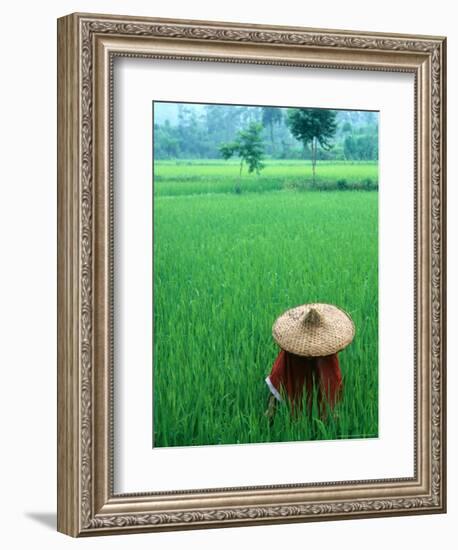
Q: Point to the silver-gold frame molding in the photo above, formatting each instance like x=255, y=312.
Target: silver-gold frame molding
x=87, y=45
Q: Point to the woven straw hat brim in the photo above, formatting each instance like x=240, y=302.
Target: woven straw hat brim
x=324, y=331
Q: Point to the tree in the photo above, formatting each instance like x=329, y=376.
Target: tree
x=313, y=127
x=363, y=147
x=249, y=147
x=270, y=117
x=166, y=142
x=350, y=148
x=347, y=128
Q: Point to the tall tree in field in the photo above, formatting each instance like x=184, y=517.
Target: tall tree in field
x=249, y=147
x=313, y=127
x=270, y=117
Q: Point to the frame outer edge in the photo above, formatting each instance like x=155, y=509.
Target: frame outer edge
x=244, y=25
x=76, y=421
x=68, y=395
x=443, y=282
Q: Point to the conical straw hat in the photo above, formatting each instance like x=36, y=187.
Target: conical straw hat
x=313, y=330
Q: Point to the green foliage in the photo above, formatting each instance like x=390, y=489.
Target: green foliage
x=308, y=125
x=362, y=147
x=368, y=184
x=166, y=142
x=313, y=127
x=227, y=150
x=342, y=184
x=249, y=147
x=271, y=116
x=241, y=262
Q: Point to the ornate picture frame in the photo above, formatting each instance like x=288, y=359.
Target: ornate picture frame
x=87, y=46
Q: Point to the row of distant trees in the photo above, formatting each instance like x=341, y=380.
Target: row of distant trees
x=313, y=128
x=195, y=131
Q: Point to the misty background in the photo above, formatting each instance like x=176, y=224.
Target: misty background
x=196, y=131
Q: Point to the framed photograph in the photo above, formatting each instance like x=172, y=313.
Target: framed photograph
x=251, y=276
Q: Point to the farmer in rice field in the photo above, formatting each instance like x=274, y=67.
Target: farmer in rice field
x=310, y=336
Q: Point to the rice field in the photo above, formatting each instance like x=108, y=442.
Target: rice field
x=181, y=177
x=225, y=266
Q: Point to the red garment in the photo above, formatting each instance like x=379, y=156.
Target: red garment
x=291, y=373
